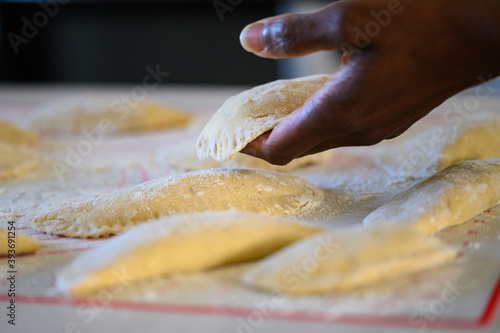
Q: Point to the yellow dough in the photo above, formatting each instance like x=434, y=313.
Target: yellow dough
x=450, y=197
x=348, y=259
x=180, y=244
x=416, y=156
x=209, y=190
x=107, y=115
x=478, y=139
x=16, y=160
x=10, y=134
x=251, y=113
x=23, y=243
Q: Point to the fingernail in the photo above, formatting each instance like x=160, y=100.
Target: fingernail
x=251, y=37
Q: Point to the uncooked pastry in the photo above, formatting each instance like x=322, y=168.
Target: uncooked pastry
x=16, y=160
x=180, y=244
x=476, y=139
x=251, y=113
x=23, y=243
x=450, y=197
x=348, y=259
x=107, y=115
x=10, y=134
x=420, y=155
x=209, y=190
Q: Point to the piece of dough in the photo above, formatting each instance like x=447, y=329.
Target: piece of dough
x=184, y=156
x=16, y=160
x=450, y=197
x=110, y=116
x=348, y=259
x=180, y=244
x=10, y=134
x=209, y=190
x=251, y=113
x=420, y=155
x=23, y=243
x=476, y=139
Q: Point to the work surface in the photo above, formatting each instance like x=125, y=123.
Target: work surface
x=462, y=295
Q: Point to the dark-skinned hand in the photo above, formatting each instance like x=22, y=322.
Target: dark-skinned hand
x=400, y=60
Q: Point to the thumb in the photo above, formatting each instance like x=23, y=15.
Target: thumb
x=319, y=123
x=293, y=35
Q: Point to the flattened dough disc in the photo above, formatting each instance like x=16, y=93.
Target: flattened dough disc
x=180, y=244
x=209, y=190
x=251, y=113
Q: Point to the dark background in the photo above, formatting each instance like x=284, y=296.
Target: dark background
x=113, y=42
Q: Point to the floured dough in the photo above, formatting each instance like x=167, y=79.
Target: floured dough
x=450, y=197
x=108, y=115
x=477, y=139
x=251, y=113
x=184, y=156
x=16, y=160
x=23, y=243
x=421, y=155
x=348, y=259
x=180, y=244
x=10, y=134
x=209, y=190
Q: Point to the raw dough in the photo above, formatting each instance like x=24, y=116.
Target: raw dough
x=251, y=113
x=16, y=160
x=107, y=115
x=348, y=259
x=23, y=243
x=450, y=197
x=416, y=156
x=184, y=156
x=477, y=139
x=10, y=134
x=180, y=244
x=208, y=190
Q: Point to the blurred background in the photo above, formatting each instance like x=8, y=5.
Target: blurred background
x=113, y=41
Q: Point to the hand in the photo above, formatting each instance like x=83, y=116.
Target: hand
x=401, y=60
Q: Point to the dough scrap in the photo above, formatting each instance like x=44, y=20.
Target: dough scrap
x=23, y=243
x=209, y=190
x=450, y=197
x=333, y=262
x=16, y=160
x=251, y=113
x=10, y=134
x=94, y=112
x=180, y=244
